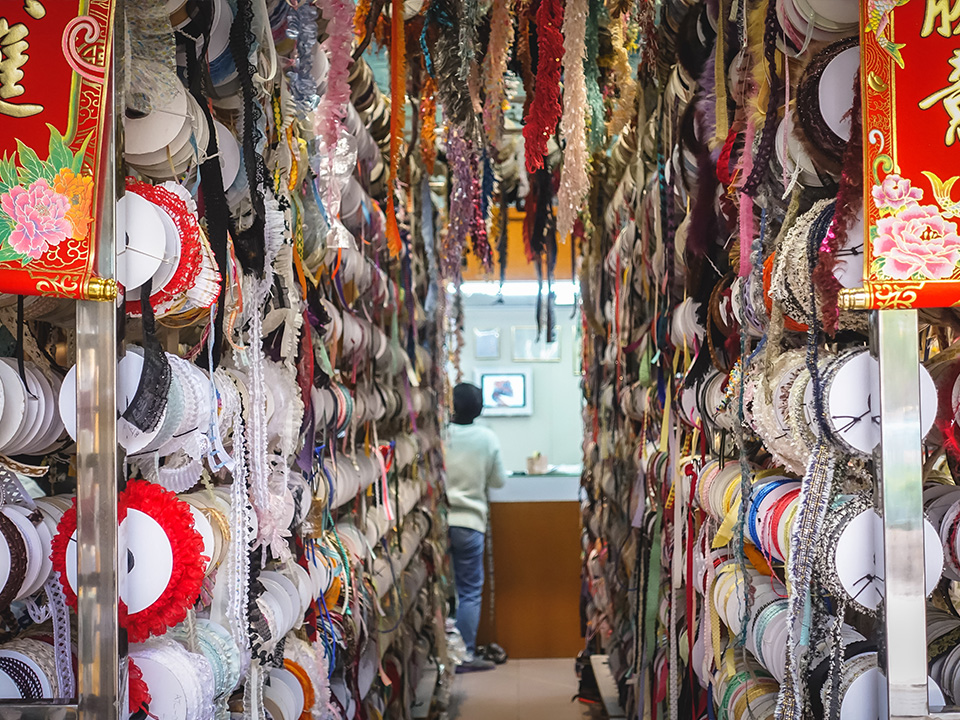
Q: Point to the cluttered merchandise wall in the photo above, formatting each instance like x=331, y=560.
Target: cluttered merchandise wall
x=733, y=543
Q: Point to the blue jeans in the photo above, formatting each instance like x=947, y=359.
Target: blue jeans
x=466, y=546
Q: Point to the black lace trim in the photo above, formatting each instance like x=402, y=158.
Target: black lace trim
x=146, y=409
x=216, y=212
x=249, y=243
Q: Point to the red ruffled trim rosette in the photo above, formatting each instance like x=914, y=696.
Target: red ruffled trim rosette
x=191, y=258
x=138, y=691
x=186, y=578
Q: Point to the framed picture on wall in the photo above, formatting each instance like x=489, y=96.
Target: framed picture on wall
x=527, y=348
x=505, y=392
x=486, y=344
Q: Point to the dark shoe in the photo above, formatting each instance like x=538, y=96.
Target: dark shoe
x=475, y=664
x=494, y=653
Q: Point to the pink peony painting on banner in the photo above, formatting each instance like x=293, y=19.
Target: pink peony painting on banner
x=912, y=241
x=39, y=216
x=43, y=202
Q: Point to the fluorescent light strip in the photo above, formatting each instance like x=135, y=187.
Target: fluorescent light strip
x=566, y=291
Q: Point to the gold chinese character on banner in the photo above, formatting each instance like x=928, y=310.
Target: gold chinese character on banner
x=13, y=56
x=947, y=12
x=950, y=97
x=34, y=8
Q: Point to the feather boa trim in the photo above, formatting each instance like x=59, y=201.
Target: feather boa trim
x=574, y=180
x=461, y=204
x=428, y=123
x=546, y=110
x=398, y=96
x=495, y=67
x=625, y=107
x=333, y=105
x=592, y=72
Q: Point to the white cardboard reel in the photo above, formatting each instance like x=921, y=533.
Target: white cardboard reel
x=859, y=558
x=141, y=241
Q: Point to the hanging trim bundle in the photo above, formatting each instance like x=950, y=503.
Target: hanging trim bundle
x=469, y=19
x=849, y=204
x=249, y=242
x=365, y=23
x=540, y=240
x=525, y=11
x=502, y=239
x=625, y=108
x=545, y=111
x=481, y=193
x=761, y=159
x=495, y=67
x=398, y=97
x=444, y=65
x=333, y=105
x=462, y=198
x=574, y=180
x=428, y=123
x=592, y=72
x=721, y=123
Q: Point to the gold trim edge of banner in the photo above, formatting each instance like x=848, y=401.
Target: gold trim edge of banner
x=101, y=289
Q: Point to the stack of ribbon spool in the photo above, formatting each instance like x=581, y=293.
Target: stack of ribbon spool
x=735, y=536
x=279, y=399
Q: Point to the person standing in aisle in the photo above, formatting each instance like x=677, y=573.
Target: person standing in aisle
x=474, y=466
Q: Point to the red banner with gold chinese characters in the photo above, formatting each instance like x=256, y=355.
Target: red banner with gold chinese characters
x=54, y=61
x=910, y=84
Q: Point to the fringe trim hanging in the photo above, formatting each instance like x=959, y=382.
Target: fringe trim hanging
x=495, y=67
x=849, y=204
x=366, y=23
x=469, y=19
x=624, y=110
x=479, y=200
x=525, y=11
x=765, y=150
x=398, y=95
x=333, y=105
x=546, y=110
x=722, y=123
x=493, y=232
x=462, y=200
x=592, y=73
x=574, y=180
x=530, y=217
x=452, y=93
x=360, y=19
x=501, y=219
x=428, y=123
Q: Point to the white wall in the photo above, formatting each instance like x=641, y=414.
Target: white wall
x=555, y=428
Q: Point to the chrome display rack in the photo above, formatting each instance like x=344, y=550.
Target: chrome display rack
x=900, y=486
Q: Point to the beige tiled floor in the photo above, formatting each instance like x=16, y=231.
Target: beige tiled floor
x=519, y=690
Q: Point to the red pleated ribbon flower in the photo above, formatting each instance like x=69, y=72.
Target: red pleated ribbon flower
x=186, y=576
x=138, y=691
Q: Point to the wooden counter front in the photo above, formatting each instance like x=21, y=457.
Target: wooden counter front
x=536, y=551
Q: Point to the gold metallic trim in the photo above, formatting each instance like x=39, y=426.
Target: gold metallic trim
x=101, y=289
x=854, y=299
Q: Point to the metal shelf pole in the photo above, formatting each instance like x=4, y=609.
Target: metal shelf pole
x=901, y=497
x=98, y=461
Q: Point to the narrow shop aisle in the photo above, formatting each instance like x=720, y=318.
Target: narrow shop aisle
x=519, y=690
